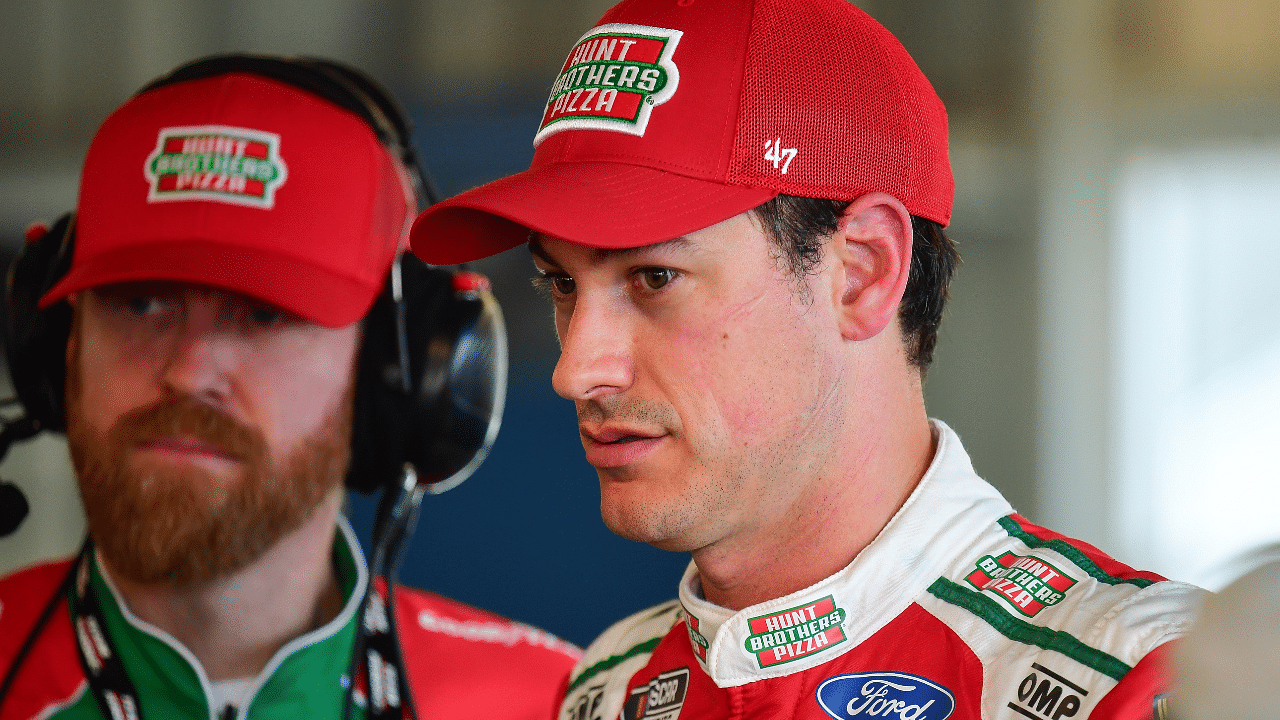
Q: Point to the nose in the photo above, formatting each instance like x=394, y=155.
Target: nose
x=595, y=352
x=201, y=354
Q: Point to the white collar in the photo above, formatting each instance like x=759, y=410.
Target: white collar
x=926, y=537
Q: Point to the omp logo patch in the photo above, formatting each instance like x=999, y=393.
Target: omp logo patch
x=1046, y=694
x=795, y=633
x=215, y=162
x=884, y=695
x=613, y=79
x=1028, y=584
x=661, y=699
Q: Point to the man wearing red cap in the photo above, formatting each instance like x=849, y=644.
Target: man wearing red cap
x=237, y=221
x=737, y=208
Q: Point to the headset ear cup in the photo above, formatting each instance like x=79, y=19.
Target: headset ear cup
x=374, y=465
x=36, y=340
x=446, y=420
x=458, y=403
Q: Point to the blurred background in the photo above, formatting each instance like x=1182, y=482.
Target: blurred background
x=1108, y=356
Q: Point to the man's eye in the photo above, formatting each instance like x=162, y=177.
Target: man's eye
x=656, y=278
x=144, y=304
x=264, y=315
x=562, y=284
x=554, y=285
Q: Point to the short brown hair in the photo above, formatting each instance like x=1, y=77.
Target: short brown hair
x=798, y=226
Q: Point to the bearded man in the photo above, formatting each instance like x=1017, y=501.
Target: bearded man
x=237, y=223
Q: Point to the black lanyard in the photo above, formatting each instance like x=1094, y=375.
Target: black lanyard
x=98, y=656
x=104, y=668
x=384, y=674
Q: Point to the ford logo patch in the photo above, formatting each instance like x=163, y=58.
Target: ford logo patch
x=885, y=695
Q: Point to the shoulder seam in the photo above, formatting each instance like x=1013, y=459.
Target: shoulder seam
x=612, y=660
x=1024, y=632
x=662, y=609
x=1071, y=552
x=641, y=617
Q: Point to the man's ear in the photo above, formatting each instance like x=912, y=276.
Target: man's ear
x=872, y=246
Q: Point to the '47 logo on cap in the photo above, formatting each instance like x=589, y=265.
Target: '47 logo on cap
x=614, y=77
x=215, y=162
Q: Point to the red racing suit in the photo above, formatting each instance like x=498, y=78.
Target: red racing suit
x=958, y=609
x=462, y=662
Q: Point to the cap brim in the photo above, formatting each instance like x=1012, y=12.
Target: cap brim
x=304, y=289
x=597, y=204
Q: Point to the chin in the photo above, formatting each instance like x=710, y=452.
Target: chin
x=647, y=525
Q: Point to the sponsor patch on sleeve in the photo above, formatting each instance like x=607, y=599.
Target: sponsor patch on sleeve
x=1160, y=707
x=587, y=706
x=660, y=699
x=1027, y=584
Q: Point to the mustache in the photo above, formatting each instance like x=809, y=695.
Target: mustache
x=185, y=416
x=627, y=412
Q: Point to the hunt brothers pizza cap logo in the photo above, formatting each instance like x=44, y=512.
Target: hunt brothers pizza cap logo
x=1028, y=584
x=796, y=633
x=614, y=77
x=216, y=162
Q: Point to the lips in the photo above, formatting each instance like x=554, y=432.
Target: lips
x=615, y=447
x=186, y=447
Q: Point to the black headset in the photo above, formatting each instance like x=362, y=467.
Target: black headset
x=432, y=369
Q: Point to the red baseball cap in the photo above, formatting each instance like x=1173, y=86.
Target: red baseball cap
x=245, y=183
x=672, y=115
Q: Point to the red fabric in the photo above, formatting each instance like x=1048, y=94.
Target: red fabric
x=463, y=662
x=1134, y=697
x=749, y=99
x=915, y=643
x=458, y=656
x=1108, y=564
x=318, y=243
x=23, y=595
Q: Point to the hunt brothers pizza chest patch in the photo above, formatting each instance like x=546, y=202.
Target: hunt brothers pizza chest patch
x=612, y=80
x=215, y=162
x=796, y=632
x=1028, y=584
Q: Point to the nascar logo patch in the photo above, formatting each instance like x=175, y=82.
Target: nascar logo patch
x=215, y=162
x=660, y=699
x=612, y=80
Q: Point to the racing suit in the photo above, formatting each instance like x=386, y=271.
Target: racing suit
x=461, y=662
x=959, y=608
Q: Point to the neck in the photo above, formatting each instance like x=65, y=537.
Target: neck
x=841, y=508
x=234, y=625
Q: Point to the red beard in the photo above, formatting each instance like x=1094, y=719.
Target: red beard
x=162, y=523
